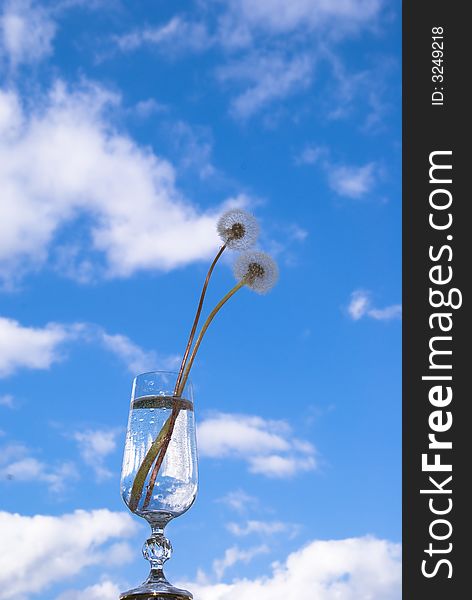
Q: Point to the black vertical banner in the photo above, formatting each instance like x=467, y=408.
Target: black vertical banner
x=437, y=259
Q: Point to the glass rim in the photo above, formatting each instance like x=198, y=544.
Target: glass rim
x=158, y=371
x=188, y=385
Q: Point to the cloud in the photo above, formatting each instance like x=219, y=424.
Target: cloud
x=351, y=89
x=352, y=182
x=240, y=22
x=40, y=347
x=106, y=590
x=263, y=528
x=26, y=32
x=281, y=466
x=265, y=78
x=192, y=147
x=29, y=347
x=234, y=555
x=136, y=359
x=278, y=17
x=346, y=180
x=62, y=160
x=385, y=314
x=242, y=28
x=267, y=446
x=62, y=545
x=17, y=464
x=176, y=36
x=95, y=446
x=360, y=306
x=145, y=108
x=348, y=569
x=239, y=501
x=7, y=400
x=310, y=155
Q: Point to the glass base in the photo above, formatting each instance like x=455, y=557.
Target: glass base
x=142, y=593
x=131, y=595
x=156, y=587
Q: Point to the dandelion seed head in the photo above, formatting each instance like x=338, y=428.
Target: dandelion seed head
x=259, y=269
x=238, y=229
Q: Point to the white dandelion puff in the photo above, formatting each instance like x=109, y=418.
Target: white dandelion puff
x=238, y=229
x=258, y=269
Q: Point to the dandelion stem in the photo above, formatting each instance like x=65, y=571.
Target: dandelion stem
x=210, y=318
x=162, y=452
x=146, y=465
x=197, y=318
x=165, y=436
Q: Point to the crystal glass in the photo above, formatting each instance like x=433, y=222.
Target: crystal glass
x=158, y=485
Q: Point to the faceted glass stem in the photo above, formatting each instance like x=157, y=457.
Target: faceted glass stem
x=157, y=549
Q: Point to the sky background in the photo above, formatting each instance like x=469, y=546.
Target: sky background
x=126, y=129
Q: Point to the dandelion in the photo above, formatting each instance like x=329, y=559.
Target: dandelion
x=238, y=229
x=258, y=270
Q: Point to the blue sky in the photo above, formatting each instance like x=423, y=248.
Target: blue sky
x=126, y=129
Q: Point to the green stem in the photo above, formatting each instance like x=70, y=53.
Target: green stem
x=161, y=443
x=197, y=317
x=210, y=318
x=145, y=467
x=162, y=452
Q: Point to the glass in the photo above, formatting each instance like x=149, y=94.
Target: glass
x=174, y=489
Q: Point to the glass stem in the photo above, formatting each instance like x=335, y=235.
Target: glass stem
x=157, y=549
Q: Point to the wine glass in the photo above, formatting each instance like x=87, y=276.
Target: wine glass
x=159, y=477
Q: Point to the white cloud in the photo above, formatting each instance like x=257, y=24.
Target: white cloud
x=349, y=569
x=265, y=79
x=146, y=108
x=7, y=400
x=361, y=306
x=17, y=464
x=106, y=590
x=240, y=27
x=346, y=180
x=267, y=446
x=358, y=305
x=239, y=501
x=234, y=555
x=136, y=359
x=264, y=528
x=352, y=182
x=40, y=347
x=95, y=446
x=193, y=147
x=61, y=159
x=241, y=21
x=385, y=314
x=275, y=465
x=310, y=155
x=177, y=35
x=62, y=545
x=29, y=347
x=280, y=17
x=26, y=32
